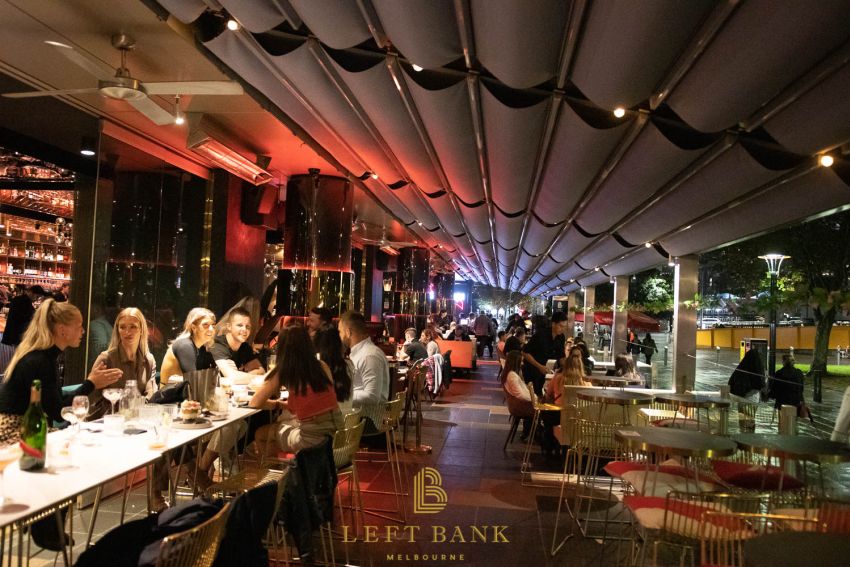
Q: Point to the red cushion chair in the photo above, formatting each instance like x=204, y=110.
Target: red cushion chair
x=754, y=476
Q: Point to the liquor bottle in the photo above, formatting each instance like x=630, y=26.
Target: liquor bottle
x=34, y=432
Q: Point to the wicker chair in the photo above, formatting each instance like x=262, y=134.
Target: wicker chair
x=195, y=547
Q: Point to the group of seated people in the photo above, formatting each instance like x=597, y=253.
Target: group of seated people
x=419, y=348
x=573, y=369
x=311, y=365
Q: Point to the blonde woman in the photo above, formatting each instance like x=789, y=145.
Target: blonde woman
x=191, y=349
x=128, y=351
x=570, y=374
x=54, y=327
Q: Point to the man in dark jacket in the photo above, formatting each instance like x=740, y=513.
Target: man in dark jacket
x=21, y=310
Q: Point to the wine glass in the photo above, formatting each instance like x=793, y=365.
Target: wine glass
x=68, y=415
x=8, y=455
x=81, y=409
x=113, y=395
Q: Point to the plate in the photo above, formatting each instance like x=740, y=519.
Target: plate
x=194, y=423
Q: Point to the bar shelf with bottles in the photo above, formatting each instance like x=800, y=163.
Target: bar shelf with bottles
x=32, y=253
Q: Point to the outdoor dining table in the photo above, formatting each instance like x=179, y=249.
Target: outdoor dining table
x=662, y=443
x=792, y=549
x=678, y=442
x=613, y=381
x=622, y=398
x=795, y=448
x=698, y=402
x=95, y=459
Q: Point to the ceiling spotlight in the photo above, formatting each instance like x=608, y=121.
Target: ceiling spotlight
x=373, y=175
x=232, y=24
x=826, y=160
x=416, y=67
x=611, y=280
x=596, y=269
x=648, y=244
x=671, y=261
x=619, y=112
x=87, y=146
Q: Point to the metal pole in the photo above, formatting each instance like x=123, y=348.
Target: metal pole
x=771, y=353
x=817, y=386
x=665, y=355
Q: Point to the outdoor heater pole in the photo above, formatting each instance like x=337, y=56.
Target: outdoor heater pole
x=771, y=353
x=774, y=263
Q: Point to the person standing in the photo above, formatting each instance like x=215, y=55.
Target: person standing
x=649, y=347
x=786, y=388
x=21, y=310
x=545, y=344
x=371, y=381
x=748, y=378
x=481, y=327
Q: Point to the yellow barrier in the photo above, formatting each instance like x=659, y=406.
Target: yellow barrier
x=786, y=337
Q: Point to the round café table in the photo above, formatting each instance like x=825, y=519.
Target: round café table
x=622, y=398
x=679, y=442
x=661, y=443
x=697, y=402
x=795, y=448
x=792, y=549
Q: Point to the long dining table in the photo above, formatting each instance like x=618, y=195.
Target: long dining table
x=95, y=459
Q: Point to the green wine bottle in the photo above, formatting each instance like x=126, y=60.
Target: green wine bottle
x=33, y=432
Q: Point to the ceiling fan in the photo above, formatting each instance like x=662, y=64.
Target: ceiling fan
x=369, y=233
x=120, y=85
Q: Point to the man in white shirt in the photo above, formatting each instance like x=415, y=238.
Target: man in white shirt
x=371, y=381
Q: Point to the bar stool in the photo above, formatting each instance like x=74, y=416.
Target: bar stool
x=539, y=407
x=386, y=421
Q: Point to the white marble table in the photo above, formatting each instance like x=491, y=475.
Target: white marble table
x=96, y=458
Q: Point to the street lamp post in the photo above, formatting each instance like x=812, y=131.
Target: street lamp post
x=774, y=262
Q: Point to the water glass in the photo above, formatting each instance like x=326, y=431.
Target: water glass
x=159, y=437
x=113, y=424
x=59, y=452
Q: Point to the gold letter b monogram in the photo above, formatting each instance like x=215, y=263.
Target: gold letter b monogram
x=428, y=494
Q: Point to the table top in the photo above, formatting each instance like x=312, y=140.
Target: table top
x=615, y=381
x=96, y=458
x=618, y=397
x=606, y=364
x=680, y=442
x=791, y=549
x=794, y=447
x=694, y=400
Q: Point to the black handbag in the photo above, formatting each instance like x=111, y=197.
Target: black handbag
x=171, y=394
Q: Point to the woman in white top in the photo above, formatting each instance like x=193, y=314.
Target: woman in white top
x=427, y=339
x=511, y=377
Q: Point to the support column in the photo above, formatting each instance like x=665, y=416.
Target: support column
x=684, y=324
x=571, y=314
x=620, y=323
x=589, y=302
x=316, y=268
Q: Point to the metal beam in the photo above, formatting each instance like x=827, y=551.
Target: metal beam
x=568, y=50
x=710, y=27
x=410, y=105
x=613, y=160
x=788, y=177
x=702, y=162
x=373, y=22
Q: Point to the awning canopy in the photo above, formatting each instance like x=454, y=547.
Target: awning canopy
x=637, y=320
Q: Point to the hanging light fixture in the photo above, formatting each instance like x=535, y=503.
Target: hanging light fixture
x=179, y=117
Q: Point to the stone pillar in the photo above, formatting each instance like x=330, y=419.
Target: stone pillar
x=571, y=314
x=589, y=301
x=619, y=326
x=684, y=323
x=410, y=290
x=316, y=267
